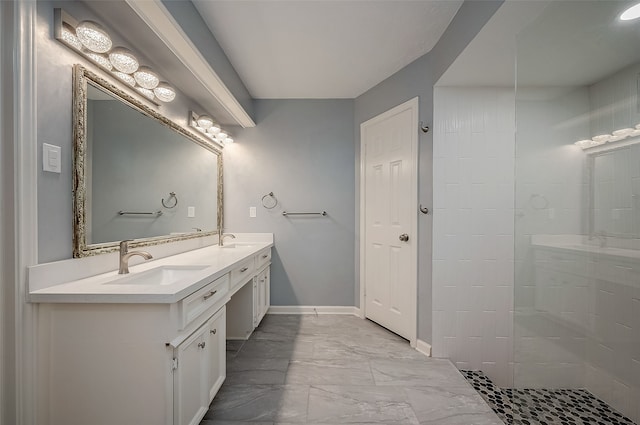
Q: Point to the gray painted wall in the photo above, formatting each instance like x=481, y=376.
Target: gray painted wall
x=418, y=79
x=303, y=151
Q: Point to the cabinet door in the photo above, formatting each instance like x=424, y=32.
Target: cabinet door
x=190, y=379
x=263, y=294
x=256, y=303
x=216, y=352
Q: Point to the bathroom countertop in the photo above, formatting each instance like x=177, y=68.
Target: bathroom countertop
x=104, y=288
x=578, y=244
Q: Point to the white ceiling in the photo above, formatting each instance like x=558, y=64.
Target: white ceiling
x=288, y=49
x=557, y=43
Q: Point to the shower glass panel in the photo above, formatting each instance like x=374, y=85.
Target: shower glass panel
x=577, y=216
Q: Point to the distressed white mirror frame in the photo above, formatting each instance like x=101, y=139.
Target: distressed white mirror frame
x=82, y=77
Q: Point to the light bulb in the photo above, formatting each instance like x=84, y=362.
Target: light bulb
x=93, y=36
x=228, y=140
x=631, y=13
x=603, y=138
x=69, y=36
x=205, y=121
x=126, y=78
x=146, y=92
x=585, y=144
x=165, y=92
x=623, y=132
x=221, y=136
x=146, y=78
x=100, y=60
x=214, y=129
x=123, y=60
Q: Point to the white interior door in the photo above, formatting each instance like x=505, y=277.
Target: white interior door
x=388, y=255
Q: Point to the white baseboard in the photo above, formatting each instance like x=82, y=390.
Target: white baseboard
x=312, y=309
x=423, y=348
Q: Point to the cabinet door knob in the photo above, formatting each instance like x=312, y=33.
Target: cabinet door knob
x=202, y=344
x=213, y=331
x=265, y=256
x=210, y=294
x=244, y=269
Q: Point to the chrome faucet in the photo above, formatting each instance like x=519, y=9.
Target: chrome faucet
x=602, y=238
x=231, y=235
x=125, y=255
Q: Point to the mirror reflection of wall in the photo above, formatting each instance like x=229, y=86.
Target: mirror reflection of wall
x=133, y=163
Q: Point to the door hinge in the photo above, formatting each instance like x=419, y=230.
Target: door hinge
x=174, y=363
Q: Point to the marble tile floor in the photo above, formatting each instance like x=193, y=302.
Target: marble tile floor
x=330, y=370
x=545, y=406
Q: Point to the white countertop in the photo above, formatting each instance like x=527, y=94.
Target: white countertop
x=104, y=288
x=581, y=244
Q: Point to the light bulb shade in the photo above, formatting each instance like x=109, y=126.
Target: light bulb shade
x=214, y=129
x=631, y=13
x=164, y=92
x=93, y=37
x=123, y=60
x=623, y=132
x=205, y=121
x=69, y=36
x=585, y=144
x=228, y=140
x=126, y=78
x=146, y=78
x=221, y=136
x=146, y=92
x=100, y=60
x=603, y=138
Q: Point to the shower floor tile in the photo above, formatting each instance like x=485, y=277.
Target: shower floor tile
x=544, y=407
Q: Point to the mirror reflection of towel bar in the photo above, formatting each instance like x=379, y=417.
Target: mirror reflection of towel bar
x=154, y=213
x=323, y=213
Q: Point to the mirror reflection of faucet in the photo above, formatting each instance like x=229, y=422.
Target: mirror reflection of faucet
x=125, y=255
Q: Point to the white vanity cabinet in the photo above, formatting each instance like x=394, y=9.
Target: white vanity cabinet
x=137, y=364
x=261, y=297
x=199, y=364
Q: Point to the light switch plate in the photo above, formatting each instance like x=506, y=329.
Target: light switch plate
x=191, y=211
x=51, y=158
x=252, y=212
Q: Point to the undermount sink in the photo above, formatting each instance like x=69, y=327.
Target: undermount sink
x=159, y=276
x=238, y=245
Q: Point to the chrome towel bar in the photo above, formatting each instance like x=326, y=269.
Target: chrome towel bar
x=323, y=213
x=154, y=213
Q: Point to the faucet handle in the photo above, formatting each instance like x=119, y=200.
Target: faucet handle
x=124, y=245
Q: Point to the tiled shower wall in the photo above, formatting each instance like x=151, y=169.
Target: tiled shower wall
x=473, y=226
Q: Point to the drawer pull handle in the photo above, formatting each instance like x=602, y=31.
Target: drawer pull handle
x=265, y=256
x=210, y=294
x=202, y=344
x=244, y=269
x=213, y=331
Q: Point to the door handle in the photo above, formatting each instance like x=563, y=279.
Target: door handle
x=404, y=237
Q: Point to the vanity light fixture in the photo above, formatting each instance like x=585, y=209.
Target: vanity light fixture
x=631, y=13
x=618, y=138
x=91, y=40
x=212, y=131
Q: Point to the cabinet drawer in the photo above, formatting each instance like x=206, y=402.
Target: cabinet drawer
x=243, y=272
x=201, y=300
x=263, y=258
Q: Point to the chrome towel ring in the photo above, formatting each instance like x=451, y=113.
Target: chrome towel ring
x=175, y=199
x=269, y=201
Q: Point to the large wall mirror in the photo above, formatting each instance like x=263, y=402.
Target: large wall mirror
x=137, y=175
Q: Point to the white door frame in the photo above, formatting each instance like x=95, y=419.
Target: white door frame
x=413, y=106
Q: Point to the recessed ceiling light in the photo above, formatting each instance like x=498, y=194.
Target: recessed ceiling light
x=631, y=13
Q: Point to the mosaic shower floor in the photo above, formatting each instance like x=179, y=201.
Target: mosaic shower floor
x=544, y=407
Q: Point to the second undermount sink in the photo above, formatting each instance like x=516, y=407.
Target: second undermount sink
x=238, y=245
x=159, y=276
